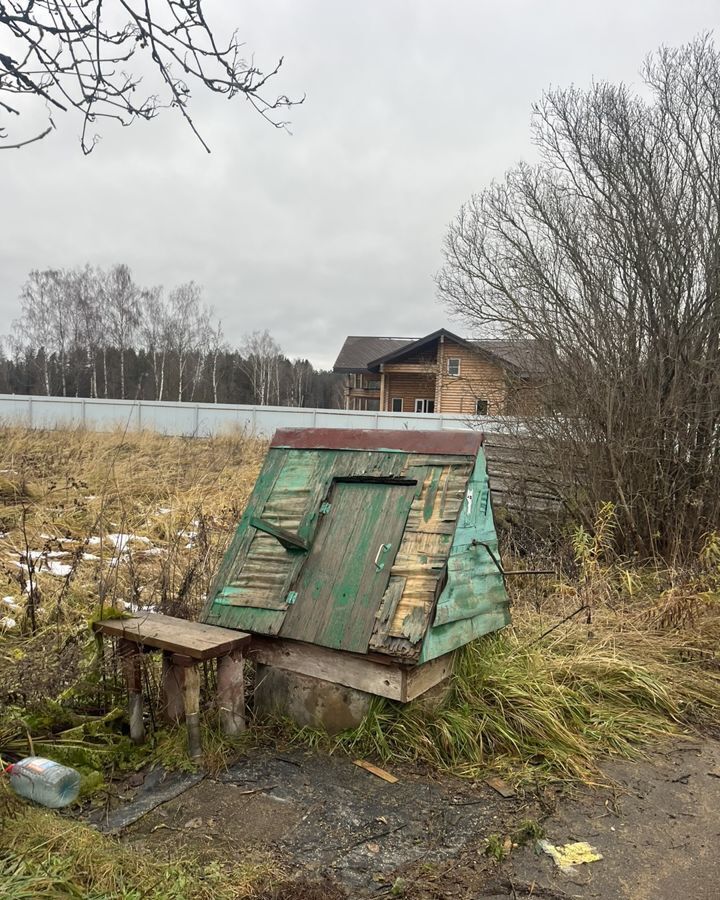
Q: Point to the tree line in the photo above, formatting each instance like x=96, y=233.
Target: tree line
x=92, y=332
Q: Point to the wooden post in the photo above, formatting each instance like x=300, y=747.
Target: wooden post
x=192, y=710
x=131, y=657
x=231, y=692
x=173, y=684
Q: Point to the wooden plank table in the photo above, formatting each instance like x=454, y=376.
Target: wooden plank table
x=184, y=645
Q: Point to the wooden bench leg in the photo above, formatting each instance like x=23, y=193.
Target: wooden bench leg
x=192, y=710
x=231, y=692
x=173, y=685
x=131, y=657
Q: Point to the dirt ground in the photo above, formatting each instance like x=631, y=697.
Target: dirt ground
x=343, y=832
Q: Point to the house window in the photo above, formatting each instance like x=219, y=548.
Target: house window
x=424, y=406
x=397, y=404
x=453, y=365
x=481, y=407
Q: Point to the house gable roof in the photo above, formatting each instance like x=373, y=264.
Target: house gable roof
x=359, y=350
x=367, y=354
x=418, y=344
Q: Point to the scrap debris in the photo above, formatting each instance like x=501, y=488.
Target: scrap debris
x=568, y=856
x=502, y=787
x=375, y=770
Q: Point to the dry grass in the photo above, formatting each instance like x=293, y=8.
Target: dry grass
x=640, y=659
x=91, y=520
x=47, y=855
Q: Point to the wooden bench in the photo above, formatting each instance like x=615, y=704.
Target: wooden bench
x=184, y=645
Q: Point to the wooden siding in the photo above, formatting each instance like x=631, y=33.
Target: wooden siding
x=418, y=573
x=479, y=379
x=409, y=386
x=424, y=375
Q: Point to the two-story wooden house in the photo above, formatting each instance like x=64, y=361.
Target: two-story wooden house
x=440, y=372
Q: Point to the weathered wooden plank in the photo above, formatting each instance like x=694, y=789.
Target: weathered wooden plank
x=288, y=540
x=274, y=462
x=359, y=672
x=177, y=635
x=340, y=587
x=423, y=677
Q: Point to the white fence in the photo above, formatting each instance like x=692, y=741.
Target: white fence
x=203, y=419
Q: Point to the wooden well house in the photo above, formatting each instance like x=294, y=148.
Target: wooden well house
x=365, y=558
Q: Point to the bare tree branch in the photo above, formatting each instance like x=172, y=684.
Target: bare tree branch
x=74, y=55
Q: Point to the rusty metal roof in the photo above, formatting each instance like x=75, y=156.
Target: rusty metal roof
x=442, y=443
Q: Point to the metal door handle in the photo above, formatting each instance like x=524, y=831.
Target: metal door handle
x=383, y=548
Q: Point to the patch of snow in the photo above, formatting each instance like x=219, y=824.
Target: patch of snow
x=58, y=569
x=7, y=622
x=137, y=609
x=164, y=510
x=10, y=602
x=94, y=541
x=34, y=555
x=90, y=557
x=152, y=551
x=121, y=540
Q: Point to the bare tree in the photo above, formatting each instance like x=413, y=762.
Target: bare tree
x=218, y=346
x=122, y=311
x=260, y=361
x=32, y=330
x=88, y=311
x=188, y=320
x=80, y=54
x=607, y=256
x=299, y=382
x=156, y=334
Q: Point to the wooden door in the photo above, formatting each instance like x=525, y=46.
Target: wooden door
x=340, y=586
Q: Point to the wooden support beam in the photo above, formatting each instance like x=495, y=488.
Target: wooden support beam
x=192, y=710
x=389, y=679
x=131, y=658
x=231, y=692
x=173, y=685
x=288, y=540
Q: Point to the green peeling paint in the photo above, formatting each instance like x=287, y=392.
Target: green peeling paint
x=347, y=582
x=474, y=601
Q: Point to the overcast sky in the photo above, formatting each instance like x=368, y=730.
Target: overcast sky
x=336, y=229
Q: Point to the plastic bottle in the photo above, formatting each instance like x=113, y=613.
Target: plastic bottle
x=44, y=781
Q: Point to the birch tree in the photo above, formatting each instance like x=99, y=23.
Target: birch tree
x=260, y=361
x=122, y=312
